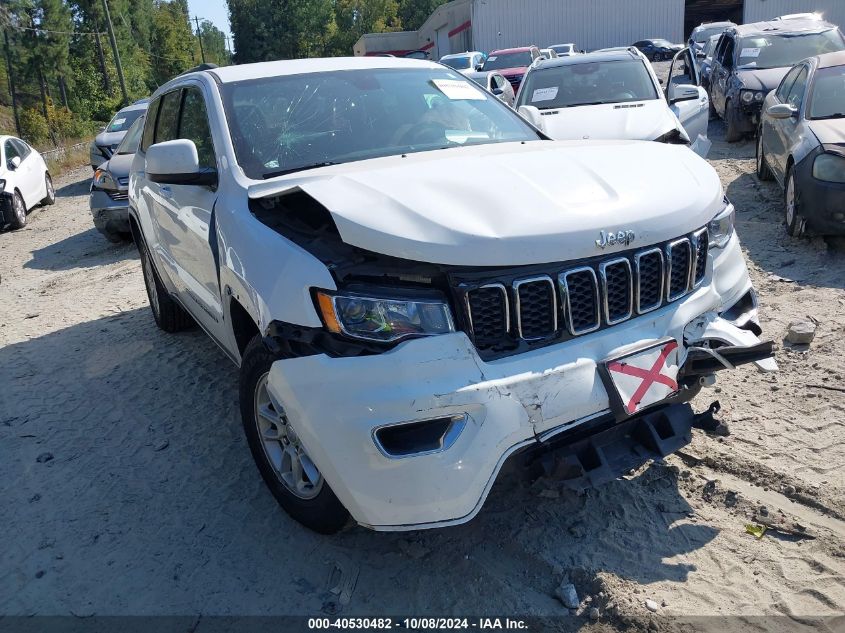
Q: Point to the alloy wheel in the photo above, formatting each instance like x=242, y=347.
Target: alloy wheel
x=20, y=209
x=282, y=447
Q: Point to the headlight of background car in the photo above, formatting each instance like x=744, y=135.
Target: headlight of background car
x=384, y=320
x=829, y=167
x=749, y=96
x=103, y=180
x=721, y=227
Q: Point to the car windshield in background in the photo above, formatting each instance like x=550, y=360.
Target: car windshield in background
x=587, y=84
x=703, y=36
x=663, y=43
x=294, y=122
x=122, y=121
x=828, y=100
x=130, y=142
x=458, y=63
x=508, y=60
x=781, y=51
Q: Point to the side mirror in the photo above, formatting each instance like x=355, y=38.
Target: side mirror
x=498, y=91
x=682, y=92
x=701, y=55
x=177, y=163
x=14, y=163
x=478, y=67
x=782, y=111
x=532, y=115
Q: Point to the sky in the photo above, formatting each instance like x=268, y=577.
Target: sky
x=217, y=11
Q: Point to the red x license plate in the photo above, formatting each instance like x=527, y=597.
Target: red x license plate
x=642, y=378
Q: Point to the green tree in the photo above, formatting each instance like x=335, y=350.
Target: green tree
x=214, y=42
x=172, y=42
x=413, y=13
x=354, y=18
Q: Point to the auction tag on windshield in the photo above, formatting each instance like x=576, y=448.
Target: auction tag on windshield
x=750, y=52
x=118, y=122
x=458, y=90
x=544, y=94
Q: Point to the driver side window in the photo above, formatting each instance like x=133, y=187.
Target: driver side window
x=11, y=151
x=727, y=59
x=795, y=98
x=786, y=84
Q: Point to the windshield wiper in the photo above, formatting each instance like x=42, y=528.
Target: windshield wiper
x=838, y=115
x=293, y=170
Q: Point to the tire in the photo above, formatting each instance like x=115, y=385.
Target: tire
x=733, y=132
x=168, y=315
x=18, y=220
x=792, y=209
x=51, y=193
x=313, y=503
x=114, y=237
x=764, y=173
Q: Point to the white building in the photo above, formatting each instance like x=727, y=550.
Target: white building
x=486, y=25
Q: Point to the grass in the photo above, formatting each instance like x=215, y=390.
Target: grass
x=75, y=155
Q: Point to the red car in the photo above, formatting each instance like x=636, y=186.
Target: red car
x=512, y=63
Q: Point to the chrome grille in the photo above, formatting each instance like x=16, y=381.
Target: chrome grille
x=536, y=307
x=678, y=259
x=514, y=310
x=118, y=196
x=582, y=300
x=617, y=290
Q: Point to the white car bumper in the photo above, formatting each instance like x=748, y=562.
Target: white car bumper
x=337, y=404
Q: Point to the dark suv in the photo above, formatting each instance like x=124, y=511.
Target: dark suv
x=750, y=61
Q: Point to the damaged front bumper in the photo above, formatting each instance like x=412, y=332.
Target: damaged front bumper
x=360, y=418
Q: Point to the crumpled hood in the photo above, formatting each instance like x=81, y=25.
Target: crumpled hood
x=766, y=79
x=511, y=203
x=829, y=132
x=642, y=120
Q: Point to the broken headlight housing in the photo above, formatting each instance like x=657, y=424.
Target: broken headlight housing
x=752, y=96
x=386, y=320
x=721, y=227
x=829, y=168
x=104, y=180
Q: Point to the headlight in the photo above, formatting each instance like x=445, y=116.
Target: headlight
x=721, y=227
x=103, y=180
x=749, y=96
x=2, y=186
x=827, y=167
x=384, y=320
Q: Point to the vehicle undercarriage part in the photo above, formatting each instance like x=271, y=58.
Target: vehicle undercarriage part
x=602, y=457
x=706, y=421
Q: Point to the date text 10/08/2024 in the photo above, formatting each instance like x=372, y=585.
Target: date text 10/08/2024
x=427, y=623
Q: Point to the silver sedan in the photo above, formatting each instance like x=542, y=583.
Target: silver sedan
x=801, y=145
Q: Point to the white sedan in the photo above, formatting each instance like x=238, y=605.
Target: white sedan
x=24, y=181
x=615, y=94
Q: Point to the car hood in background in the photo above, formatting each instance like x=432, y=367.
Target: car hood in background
x=119, y=165
x=639, y=120
x=109, y=139
x=764, y=79
x=829, y=131
x=550, y=201
x=510, y=72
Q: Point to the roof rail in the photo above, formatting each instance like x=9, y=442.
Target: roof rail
x=196, y=69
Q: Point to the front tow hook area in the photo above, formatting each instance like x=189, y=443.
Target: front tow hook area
x=604, y=456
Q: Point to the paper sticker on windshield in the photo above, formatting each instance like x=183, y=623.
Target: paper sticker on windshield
x=117, y=122
x=458, y=90
x=544, y=94
x=492, y=58
x=750, y=52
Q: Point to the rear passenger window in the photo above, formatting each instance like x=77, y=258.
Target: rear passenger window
x=23, y=148
x=149, y=125
x=168, y=117
x=194, y=126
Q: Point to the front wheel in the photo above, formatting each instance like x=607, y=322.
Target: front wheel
x=168, y=315
x=50, y=198
x=18, y=220
x=733, y=133
x=794, y=220
x=295, y=481
x=763, y=171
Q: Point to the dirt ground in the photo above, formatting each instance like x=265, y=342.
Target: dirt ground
x=126, y=485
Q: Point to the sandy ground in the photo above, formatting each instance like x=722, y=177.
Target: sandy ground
x=126, y=486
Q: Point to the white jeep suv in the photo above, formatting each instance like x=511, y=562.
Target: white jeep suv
x=402, y=330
